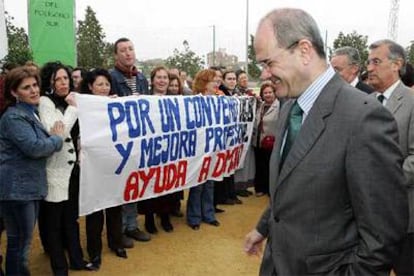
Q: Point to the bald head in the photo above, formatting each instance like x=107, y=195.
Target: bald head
x=290, y=49
x=291, y=25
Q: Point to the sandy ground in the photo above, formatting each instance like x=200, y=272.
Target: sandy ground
x=209, y=251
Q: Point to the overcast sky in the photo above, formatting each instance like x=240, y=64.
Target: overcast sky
x=157, y=27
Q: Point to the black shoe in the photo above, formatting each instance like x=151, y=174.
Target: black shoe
x=81, y=266
x=214, y=223
x=138, y=235
x=166, y=223
x=120, y=252
x=93, y=267
x=95, y=264
x=238, y=201
x=177, y=213
x=242, y=193
x=150, y=224
x=228, y=202
x=194, y=226
x=217, y=210
x=151, y=228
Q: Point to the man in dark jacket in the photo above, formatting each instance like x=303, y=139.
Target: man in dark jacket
x=346, y=61
x=126, y=78
x=126, y=81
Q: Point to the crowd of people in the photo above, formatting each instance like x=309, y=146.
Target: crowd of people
x=40, y=164
x=328, y=157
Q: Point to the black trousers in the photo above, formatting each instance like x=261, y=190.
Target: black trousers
x=59, y=229
x=405, y=263
x=261, y=183
x=60, y=222
x=224, y=190
x=94, y=227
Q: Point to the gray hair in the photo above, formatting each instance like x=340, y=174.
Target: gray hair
x=350, y=52
x=395, y=49
x=292, y=25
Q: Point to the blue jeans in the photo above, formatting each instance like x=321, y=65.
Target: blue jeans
x=129, y=216
x=19, y=219
x=200, y=204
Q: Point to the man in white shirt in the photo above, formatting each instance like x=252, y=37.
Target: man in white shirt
x=385, y=65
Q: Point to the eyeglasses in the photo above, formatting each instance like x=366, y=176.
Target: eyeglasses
x=266, y=64
x=374, y=61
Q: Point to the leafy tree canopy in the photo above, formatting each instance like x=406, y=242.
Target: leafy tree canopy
x=18, y=40
x=185, y=60
x=91, y=47
x=354, y=40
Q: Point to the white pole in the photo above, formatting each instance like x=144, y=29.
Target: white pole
x=4, y=48
x=247, y=37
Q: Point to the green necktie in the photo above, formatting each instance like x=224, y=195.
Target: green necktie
x=294, y=124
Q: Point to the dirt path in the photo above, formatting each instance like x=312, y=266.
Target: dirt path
x=209, y=251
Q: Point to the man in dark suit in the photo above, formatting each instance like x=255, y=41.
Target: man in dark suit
x=347, y=62
x=386, y=63
x=338, y=204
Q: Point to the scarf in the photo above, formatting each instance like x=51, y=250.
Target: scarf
x=127, y=72
x=59, y=102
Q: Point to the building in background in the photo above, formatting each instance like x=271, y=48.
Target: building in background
x=221, y=58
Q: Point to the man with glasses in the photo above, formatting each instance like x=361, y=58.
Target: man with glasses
x=346, y=62
x=338, y=203
x=386, y=63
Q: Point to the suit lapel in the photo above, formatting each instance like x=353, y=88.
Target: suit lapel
x=308, y=135
x=396, y=100
x=312, y=127
x=275, y=159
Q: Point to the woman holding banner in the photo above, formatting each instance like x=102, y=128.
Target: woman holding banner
x=59, y=210
x=98, y=82
x=163, y=205
x=24, y=147
x=200, y=203
x=175, y=87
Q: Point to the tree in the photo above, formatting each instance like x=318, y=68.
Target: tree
x=354, y=40
x=410, y=53
x=18, y=40
x=186, y=60
x=254, y=70
x=91, y=45
x=108, y=55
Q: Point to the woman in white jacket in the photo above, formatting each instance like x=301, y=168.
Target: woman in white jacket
x=59, y=211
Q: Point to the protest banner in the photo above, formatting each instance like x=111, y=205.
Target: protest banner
x=139, y=147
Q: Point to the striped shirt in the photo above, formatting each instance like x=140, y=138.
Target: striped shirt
x=132, y=83
x=309, y=96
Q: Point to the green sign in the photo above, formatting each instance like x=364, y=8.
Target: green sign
x=52, y=31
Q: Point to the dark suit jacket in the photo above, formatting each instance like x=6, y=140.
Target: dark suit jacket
x=364, y=87
x=338, y=206
x=401, y=105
